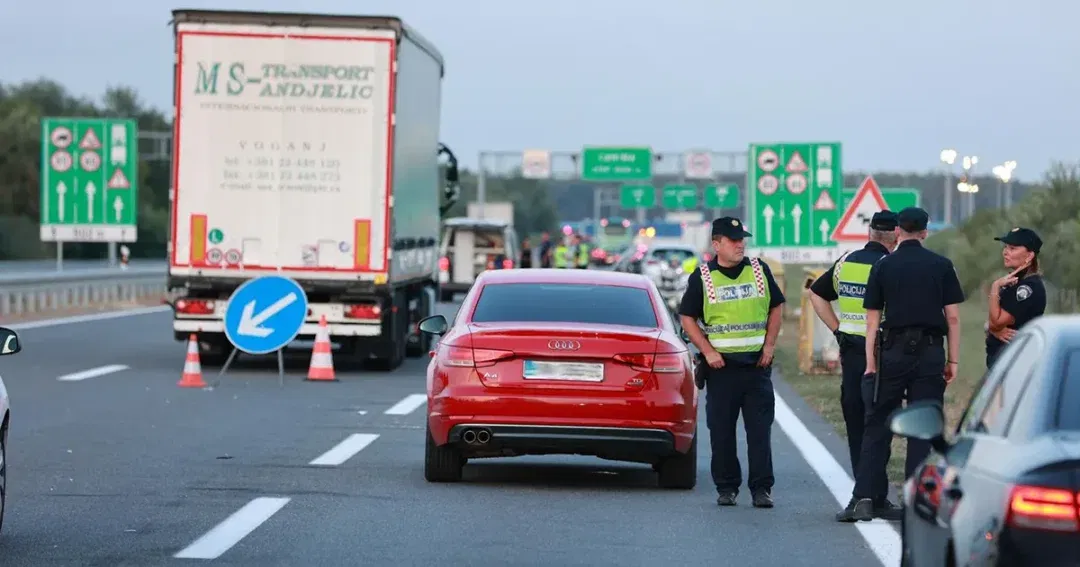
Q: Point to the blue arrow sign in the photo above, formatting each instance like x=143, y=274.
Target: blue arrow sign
x=265, y=314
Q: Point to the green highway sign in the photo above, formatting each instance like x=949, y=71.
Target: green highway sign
x=793, y=191
x=896, y=198
x=616, y=164
x=680, y=196
x=722, y=196
x=89, y=179
x=637, y=196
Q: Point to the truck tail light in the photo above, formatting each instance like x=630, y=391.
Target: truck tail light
x=363, y=311
x=444, y=264
x=195, y=306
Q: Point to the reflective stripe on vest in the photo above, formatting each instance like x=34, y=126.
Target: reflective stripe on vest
x=849, y=281
x=736, y=310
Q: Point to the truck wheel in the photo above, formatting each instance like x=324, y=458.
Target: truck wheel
x=680, y=470
x=442, y=464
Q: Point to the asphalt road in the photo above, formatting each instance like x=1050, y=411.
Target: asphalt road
x=125, y=468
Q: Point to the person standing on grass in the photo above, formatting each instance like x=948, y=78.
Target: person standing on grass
x=913, y=297
x=1020, y=296
x=845, y=283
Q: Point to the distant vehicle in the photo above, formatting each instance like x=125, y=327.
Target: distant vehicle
x=541, y=362
x=1005, y=490
x=470, y=246
x=9, y=344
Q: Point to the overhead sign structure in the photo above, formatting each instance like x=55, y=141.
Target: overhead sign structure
x=793, y=191
x=855, y=223
x=721, y=196
x=89, y=180
x=265, y=314
x=680, y=196
x=637, y=196
x=616, y=164
x=697, y=164
x=536, y=164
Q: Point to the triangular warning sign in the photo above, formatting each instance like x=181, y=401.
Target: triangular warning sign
x=824, y=202
x=855, y=221
x=796, y=164
x=119, y=180
x=90, y=141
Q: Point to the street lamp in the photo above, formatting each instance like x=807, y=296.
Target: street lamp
x=1004, y=173
x=948, y=157
x=968, y=163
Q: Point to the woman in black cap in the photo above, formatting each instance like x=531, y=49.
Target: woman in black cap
x=1017, y=297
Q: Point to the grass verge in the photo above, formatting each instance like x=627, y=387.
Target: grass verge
x=822, y=392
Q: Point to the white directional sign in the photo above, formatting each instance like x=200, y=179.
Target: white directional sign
x=536, y=164
x=698, y=165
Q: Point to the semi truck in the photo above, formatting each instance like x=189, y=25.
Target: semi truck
x=307, y=146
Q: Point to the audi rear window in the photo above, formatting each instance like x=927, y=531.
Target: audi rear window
x=565, y=303
x=1069, y=401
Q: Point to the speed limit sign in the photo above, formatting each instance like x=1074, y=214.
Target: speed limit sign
x=698, y=165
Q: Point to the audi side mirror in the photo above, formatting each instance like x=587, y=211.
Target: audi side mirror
x=434, y=325
x=9, y=341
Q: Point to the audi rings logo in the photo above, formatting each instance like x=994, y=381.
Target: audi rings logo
x=564, y=345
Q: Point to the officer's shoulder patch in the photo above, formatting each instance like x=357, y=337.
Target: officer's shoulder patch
x=1023, y=292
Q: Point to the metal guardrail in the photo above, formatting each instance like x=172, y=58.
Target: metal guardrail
x=32, y=293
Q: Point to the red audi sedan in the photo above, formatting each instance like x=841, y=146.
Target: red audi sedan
x=546, y=362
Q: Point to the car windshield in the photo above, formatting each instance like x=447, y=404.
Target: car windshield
x=669, y=254
x=565, y=303
x=1069, y=400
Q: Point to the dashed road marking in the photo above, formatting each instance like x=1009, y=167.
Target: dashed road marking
x=92, y=372
x=235, y=528
x=407, y=405
x=345, y=450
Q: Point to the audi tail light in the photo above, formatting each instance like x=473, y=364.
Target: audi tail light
x=658, y=363
x=464, y=357
x=1040, y=508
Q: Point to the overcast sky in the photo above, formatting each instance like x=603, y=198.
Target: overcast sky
x=895, y=82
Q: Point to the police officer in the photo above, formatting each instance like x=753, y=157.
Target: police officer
x=912, y=297
x=1018, y=297
x=845, y=283
x=740, y=305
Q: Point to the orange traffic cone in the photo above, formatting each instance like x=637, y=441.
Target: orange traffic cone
x=192, y=376
x=322, y=362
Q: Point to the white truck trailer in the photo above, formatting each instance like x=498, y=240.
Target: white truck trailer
x=308, y=146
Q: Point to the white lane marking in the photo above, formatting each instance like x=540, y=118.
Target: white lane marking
x=235, y=528
x=345, y=450
x=407, y=405
x=92, y=373
x=883, y=540
x=88, y=318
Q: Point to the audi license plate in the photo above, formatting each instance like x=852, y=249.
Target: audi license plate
x=573, y=371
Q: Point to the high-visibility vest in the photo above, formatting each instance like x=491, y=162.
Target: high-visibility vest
x=689, y=265
x=849, y=281
x=736, y=310
x=583, y=255
x=559, y=260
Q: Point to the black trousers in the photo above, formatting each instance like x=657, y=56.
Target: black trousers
x=852, y=368
x=914, y=377
x=729, y=391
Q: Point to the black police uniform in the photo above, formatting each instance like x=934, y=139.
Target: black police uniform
x=911, y=287
x=740, y=386
x=853, y=347
x=1026, y=299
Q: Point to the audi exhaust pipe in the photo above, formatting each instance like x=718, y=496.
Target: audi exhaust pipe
x=469, y=436
x=483, y=436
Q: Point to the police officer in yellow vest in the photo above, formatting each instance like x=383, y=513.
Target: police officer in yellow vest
x=740, y=307
x=562, y=254
x=845, y=283
x=582, y=259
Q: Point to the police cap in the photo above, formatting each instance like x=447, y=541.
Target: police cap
x=883, y=220
x=912, y=219
x=730, y=227
x=1022, y=237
